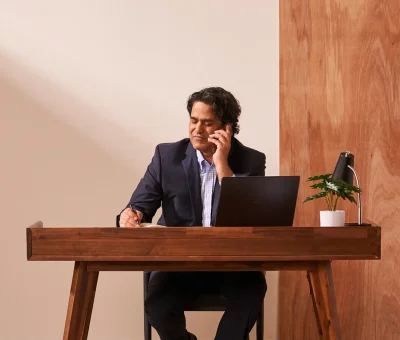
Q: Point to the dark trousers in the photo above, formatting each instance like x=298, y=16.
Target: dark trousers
x=170, y=292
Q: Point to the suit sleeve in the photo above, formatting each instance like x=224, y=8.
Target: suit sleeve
x=148, y=194
x=258, y=168
x=262, y=165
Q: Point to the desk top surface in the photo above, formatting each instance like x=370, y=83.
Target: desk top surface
x=203, y=244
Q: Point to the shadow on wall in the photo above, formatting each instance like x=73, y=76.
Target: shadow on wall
x=47, y=150
x=53, y=172
x=55, y=167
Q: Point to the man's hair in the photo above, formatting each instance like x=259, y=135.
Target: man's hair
x=224, y=105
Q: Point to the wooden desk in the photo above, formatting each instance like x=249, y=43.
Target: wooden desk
x=202, y=249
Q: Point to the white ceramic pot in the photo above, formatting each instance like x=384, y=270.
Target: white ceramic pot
x=331, y=218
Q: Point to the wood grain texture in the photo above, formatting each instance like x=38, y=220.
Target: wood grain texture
x=324, y=301
x=38, y=224
x=80, y=305
x=202, y=266
x=204, y=244
x=340, y=90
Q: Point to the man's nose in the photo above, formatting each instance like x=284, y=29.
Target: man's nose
x=199, y=128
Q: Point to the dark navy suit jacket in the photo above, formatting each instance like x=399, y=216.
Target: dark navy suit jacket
x=173, y=180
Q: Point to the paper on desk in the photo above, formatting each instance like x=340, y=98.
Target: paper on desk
x=151, y=225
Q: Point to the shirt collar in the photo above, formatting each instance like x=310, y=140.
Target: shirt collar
x=201, y=160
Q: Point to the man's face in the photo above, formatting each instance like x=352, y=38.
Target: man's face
x=203, y=122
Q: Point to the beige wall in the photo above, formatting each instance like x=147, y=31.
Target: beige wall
x=87, y=89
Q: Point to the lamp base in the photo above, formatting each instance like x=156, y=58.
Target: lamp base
x=356, y=224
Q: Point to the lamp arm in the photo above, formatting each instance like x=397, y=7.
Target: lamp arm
x=359, y=195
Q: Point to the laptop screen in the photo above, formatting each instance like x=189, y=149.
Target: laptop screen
x=257, y=201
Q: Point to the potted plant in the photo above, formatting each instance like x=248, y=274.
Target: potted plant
x=332, y=190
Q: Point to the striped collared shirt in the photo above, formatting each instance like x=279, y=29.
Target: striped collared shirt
x=208, y=175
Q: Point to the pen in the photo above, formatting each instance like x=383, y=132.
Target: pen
x=133, y=210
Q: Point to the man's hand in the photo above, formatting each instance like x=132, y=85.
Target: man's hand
x=222, y=141
x=130, y=218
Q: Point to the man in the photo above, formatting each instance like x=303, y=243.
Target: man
x=184, y=177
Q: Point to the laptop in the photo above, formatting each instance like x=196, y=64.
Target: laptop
x=257, y=201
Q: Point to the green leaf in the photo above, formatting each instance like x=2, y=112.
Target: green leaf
x=318, y=185
x=316, y=178
x=332, y=188
x=353, y=188
x=349, y=186
x=347, y=191
x=351, y=199
x=313, y=197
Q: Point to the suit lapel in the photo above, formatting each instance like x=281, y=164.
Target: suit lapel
x=215, y=201
x=191, y=167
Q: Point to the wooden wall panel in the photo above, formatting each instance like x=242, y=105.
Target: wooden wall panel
x=340, y=90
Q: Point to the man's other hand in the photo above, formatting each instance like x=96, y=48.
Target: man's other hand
x=130, y=218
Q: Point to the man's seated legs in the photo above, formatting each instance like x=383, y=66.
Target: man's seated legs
x=170, y=292
x=245, y=293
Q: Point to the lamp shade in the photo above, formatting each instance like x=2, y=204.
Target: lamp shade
x=342, y=171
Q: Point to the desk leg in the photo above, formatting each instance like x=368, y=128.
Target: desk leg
x=324, y=301
x=81, y=299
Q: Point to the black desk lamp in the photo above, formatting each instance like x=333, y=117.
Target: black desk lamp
x=344, y=171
